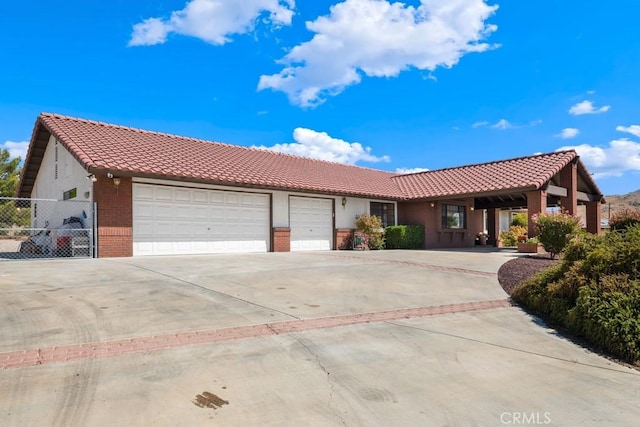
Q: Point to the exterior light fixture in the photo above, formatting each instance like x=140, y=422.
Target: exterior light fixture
x=472, y=208
x=344, y=202
x=91, y=177
x=433, y=205
x=116, y=182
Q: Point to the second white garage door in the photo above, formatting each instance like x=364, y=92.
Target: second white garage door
x=311, y=222
x=177, y=220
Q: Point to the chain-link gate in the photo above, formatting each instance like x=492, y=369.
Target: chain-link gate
x=44, y=228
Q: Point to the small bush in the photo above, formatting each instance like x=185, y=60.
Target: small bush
x=371, y=227
x=404, y=236
x=520, y=219
x=515, y=234
x=624, y=219
x=555, y=230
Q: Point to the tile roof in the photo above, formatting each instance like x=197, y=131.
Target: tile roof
x=135, y=152
x=125, y=151
x=520, y=174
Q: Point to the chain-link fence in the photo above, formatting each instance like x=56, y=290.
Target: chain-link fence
x=43, y=228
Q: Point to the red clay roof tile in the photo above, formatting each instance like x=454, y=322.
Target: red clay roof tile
x=524, y=173
x=134, y=152
x=124, y=150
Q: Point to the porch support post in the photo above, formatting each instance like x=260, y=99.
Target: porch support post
x=569, y=180
x=493, y=226
x=536, y=204
x=594, y=216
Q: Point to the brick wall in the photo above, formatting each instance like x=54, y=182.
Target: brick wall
x=281, y=239
x=536, y=204
x=115, y=217
x=344, y=238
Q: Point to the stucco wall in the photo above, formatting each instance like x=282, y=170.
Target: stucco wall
x=49, y=185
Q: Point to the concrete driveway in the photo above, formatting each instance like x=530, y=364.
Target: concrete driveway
x=385, y=338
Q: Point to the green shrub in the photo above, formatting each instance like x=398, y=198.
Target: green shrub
x=371, y=227
x=520, y=219
x=594, y=292
x=404, y=236
x=555, y=230
x=609, y=316
x=624, y=219
x=515, y=234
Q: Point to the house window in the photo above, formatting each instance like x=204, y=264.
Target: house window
x=71, y=194
x=385, y=211
x=454, y=216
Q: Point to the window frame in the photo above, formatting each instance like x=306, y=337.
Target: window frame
x=383, y=213
x=450, y=211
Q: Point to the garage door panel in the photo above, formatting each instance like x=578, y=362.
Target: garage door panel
x=170, y=220
x=163, y=193
x=311, y=222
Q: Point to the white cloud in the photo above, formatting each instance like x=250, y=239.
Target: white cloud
x=502, y=124
x=213, y=20
x=404, y=171
x=622, y=155
x=479, y=124
x=16, y=149
x=319, y=145
x=633, y=130
x=587, y=107
x=377, y=38
x=568, y=133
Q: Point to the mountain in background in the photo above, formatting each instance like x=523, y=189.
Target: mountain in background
x=617, y=203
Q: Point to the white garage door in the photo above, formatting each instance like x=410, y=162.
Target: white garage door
x=311, y=222
x=176, y=220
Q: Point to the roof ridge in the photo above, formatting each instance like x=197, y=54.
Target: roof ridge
x=225, y=144
x=488, y=163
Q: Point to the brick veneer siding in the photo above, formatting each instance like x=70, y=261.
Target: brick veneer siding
x=536, y=204
x=431, y=217
x=569, y=180
x=594, y=217
x=281, y=239
x=344, y=238
x=115, y=217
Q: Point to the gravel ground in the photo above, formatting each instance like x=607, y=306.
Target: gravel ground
x=516, y=270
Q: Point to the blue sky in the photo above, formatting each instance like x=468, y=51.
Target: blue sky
x=395, y=86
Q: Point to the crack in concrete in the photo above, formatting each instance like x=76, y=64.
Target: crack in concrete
x=329, y=381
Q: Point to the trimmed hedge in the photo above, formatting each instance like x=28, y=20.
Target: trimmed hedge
x=594, y=292
x=404, y=236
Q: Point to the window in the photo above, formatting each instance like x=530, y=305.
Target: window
x=71, y=194
x=454, y=216
x=385, y=211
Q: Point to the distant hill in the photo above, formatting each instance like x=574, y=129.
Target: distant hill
x=618, y=202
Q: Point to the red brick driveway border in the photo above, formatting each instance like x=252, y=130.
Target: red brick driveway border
x=95, y=350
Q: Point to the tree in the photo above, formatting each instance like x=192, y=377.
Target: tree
x=10, y=214
x=9, y=174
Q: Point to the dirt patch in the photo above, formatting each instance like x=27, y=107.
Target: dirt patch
x=209, y=400
x=513, y=272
